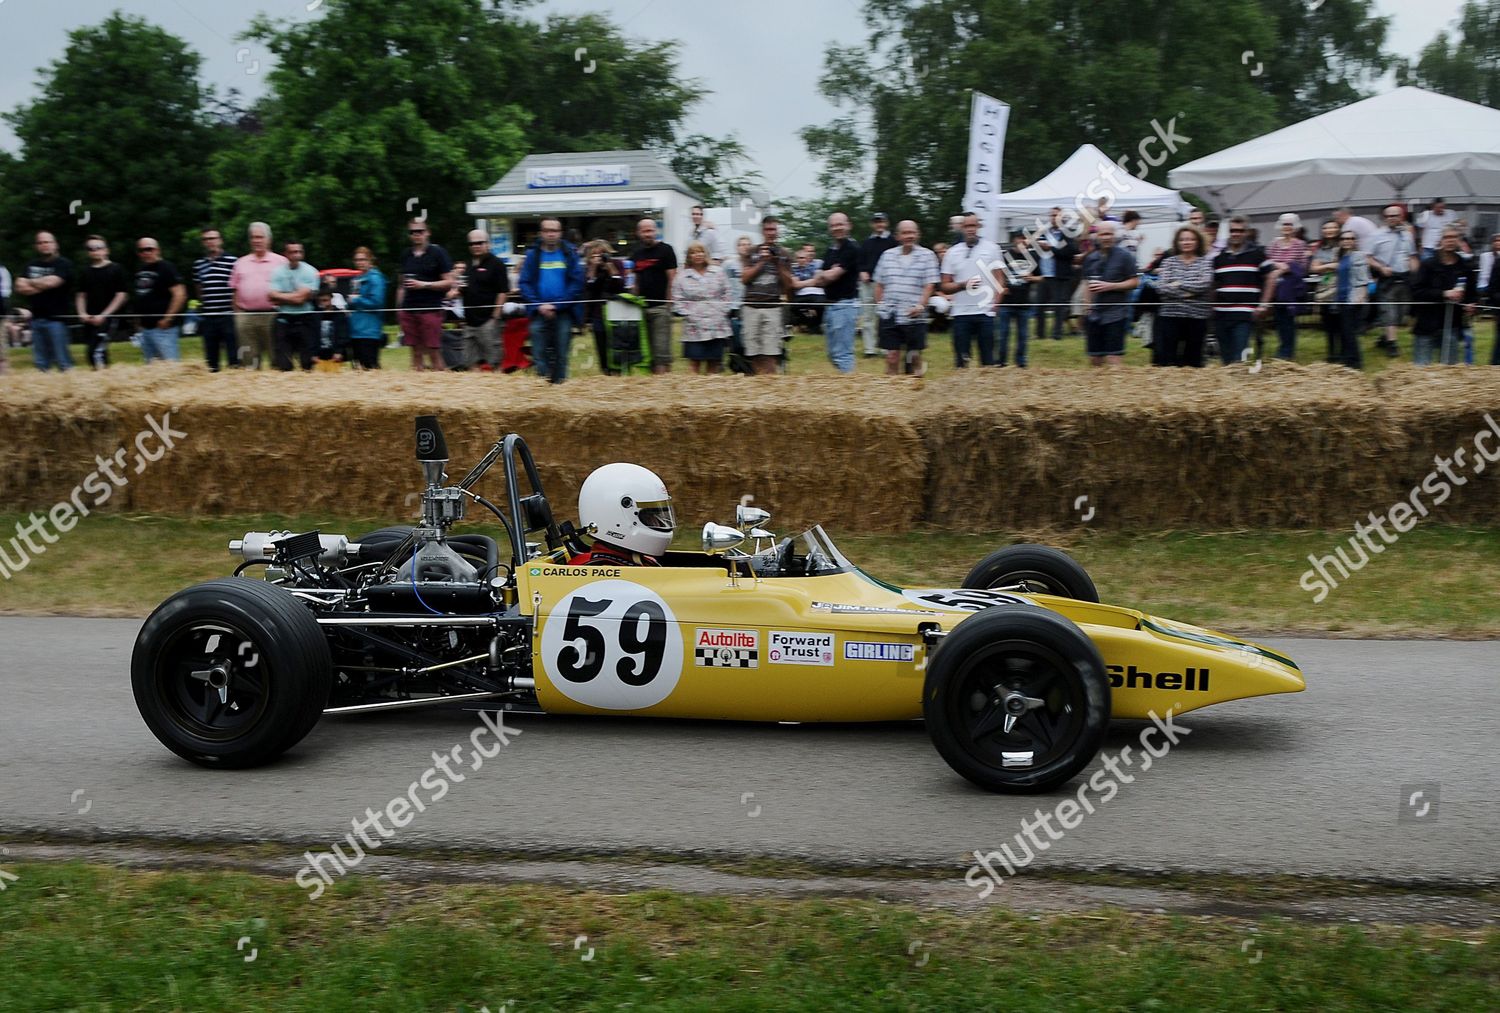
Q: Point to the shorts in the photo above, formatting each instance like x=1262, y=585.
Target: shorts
x=1104, y=338
x=704, y=351
x=762, y=330
x=659, y=328
x=895, y=336
x=421, y=328
x=1395, y=299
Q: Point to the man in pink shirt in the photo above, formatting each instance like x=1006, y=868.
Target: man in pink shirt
x=250, y=279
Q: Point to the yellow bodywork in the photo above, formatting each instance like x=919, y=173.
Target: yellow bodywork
x=768, y=641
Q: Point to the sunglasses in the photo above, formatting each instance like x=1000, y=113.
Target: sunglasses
x=477, y=242
x=1236, y=230
x=96, y=246
x=144, y=249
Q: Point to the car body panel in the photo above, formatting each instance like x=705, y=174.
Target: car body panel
x=695, y=642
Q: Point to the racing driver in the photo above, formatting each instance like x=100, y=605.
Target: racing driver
x=626, y=511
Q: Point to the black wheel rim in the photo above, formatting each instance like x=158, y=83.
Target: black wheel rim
x=1016, y=706
x=1031, y=582
x=212, y=679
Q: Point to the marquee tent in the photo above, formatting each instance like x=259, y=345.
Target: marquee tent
x=1405, y=144
x=1083, y=178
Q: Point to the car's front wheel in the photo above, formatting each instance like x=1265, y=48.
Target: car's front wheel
x=1033, y=569
x=231, y=673
x=1016, y=699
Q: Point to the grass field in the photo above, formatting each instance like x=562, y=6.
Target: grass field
x=808, y=354
x=1436, y=581
x=96, y=938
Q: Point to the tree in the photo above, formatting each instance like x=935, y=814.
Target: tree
x=116, y=143
x=716, y=167
x=381, y=104
x=1115, y=73
x=379, y=111
x=1466, y=67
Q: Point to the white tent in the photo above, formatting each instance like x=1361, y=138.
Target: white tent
x=1083, y=178
x=1407, y=143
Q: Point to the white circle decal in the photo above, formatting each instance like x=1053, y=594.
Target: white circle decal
x=613, y=644
x=963, y=599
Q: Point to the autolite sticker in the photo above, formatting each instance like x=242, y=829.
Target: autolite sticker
x=861, y=650
x=726, y=648
x=786, y=648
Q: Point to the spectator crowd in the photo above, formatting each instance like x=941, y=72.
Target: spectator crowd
x=1215, y=290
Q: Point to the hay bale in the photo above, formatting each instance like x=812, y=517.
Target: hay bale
x=1287, y=446
x=341, y=445
x=1443, y=410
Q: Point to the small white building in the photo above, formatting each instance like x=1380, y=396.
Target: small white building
x=597, y=194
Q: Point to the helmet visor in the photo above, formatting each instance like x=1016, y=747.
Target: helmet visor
x=657, y=516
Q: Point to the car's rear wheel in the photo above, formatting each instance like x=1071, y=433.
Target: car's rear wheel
x=231, y=673
x=1016, y=699
x=1033, y=569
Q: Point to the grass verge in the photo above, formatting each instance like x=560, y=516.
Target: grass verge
x=1436, y=581
x=93, y=937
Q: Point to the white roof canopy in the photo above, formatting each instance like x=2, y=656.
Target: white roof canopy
x=1407, y=143
x=1086, y=175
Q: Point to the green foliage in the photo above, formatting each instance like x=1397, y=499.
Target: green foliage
x=716, y=167
x=1074, y=72
x=378, y=103
x=1465, y=64
x=118, y=125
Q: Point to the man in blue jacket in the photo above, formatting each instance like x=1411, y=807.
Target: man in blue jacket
x=552, y=286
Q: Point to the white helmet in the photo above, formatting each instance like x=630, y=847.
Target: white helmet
x=628, y=506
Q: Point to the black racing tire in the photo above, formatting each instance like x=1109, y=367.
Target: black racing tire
x=1039, y=568
x=261, y=642
x=988, y=663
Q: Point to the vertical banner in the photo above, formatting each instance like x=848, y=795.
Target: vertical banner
x=988, y=119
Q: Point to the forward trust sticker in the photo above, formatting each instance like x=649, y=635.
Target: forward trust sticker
x=787, y=648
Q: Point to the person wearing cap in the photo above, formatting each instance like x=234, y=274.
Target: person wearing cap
x=1290, y=255
x=870, y=251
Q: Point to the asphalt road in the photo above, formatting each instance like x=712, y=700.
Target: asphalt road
x=1315, y=783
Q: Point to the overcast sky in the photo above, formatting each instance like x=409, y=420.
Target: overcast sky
x=760, y=63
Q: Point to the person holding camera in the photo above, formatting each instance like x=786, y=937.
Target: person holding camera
x=768, y=279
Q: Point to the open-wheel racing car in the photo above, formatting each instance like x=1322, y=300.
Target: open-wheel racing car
x=1016, y=673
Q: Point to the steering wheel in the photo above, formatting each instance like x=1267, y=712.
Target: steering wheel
x=786, y=555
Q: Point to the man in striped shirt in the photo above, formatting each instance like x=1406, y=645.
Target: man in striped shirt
x=215, y=300
x=1243, y=281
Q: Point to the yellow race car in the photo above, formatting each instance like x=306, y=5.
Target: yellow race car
x=1016, y=673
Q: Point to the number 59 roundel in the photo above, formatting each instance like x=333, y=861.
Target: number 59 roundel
x=612, y=644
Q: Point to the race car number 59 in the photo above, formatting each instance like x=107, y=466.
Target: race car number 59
x=613, y=644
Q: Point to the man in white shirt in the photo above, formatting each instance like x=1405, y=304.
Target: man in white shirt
x=704, y=232
x=1393, y=260
x=1363, y=228
x=1432, y=222
x=973, y=279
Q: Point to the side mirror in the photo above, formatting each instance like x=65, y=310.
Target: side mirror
x=749, y=516
x=720, y=538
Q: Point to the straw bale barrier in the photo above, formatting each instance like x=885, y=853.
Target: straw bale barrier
x=1442, y=411
x=1287, y=446
x=341, y=445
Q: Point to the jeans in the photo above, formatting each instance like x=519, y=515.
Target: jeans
x=160, y=343
x=1350, y=318
x=971, y=327
x=549, y=344
x=1060, y=292
x=869, y=320
x=839, y=320
x=218, y=340
x=1234, y=337
x=1022, y=316
x=294, y=341
x=1286, y=332
x=1179, y=341
x=1445, y=344
x=49, y=345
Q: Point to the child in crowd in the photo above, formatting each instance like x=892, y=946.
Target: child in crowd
x=331, y=335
